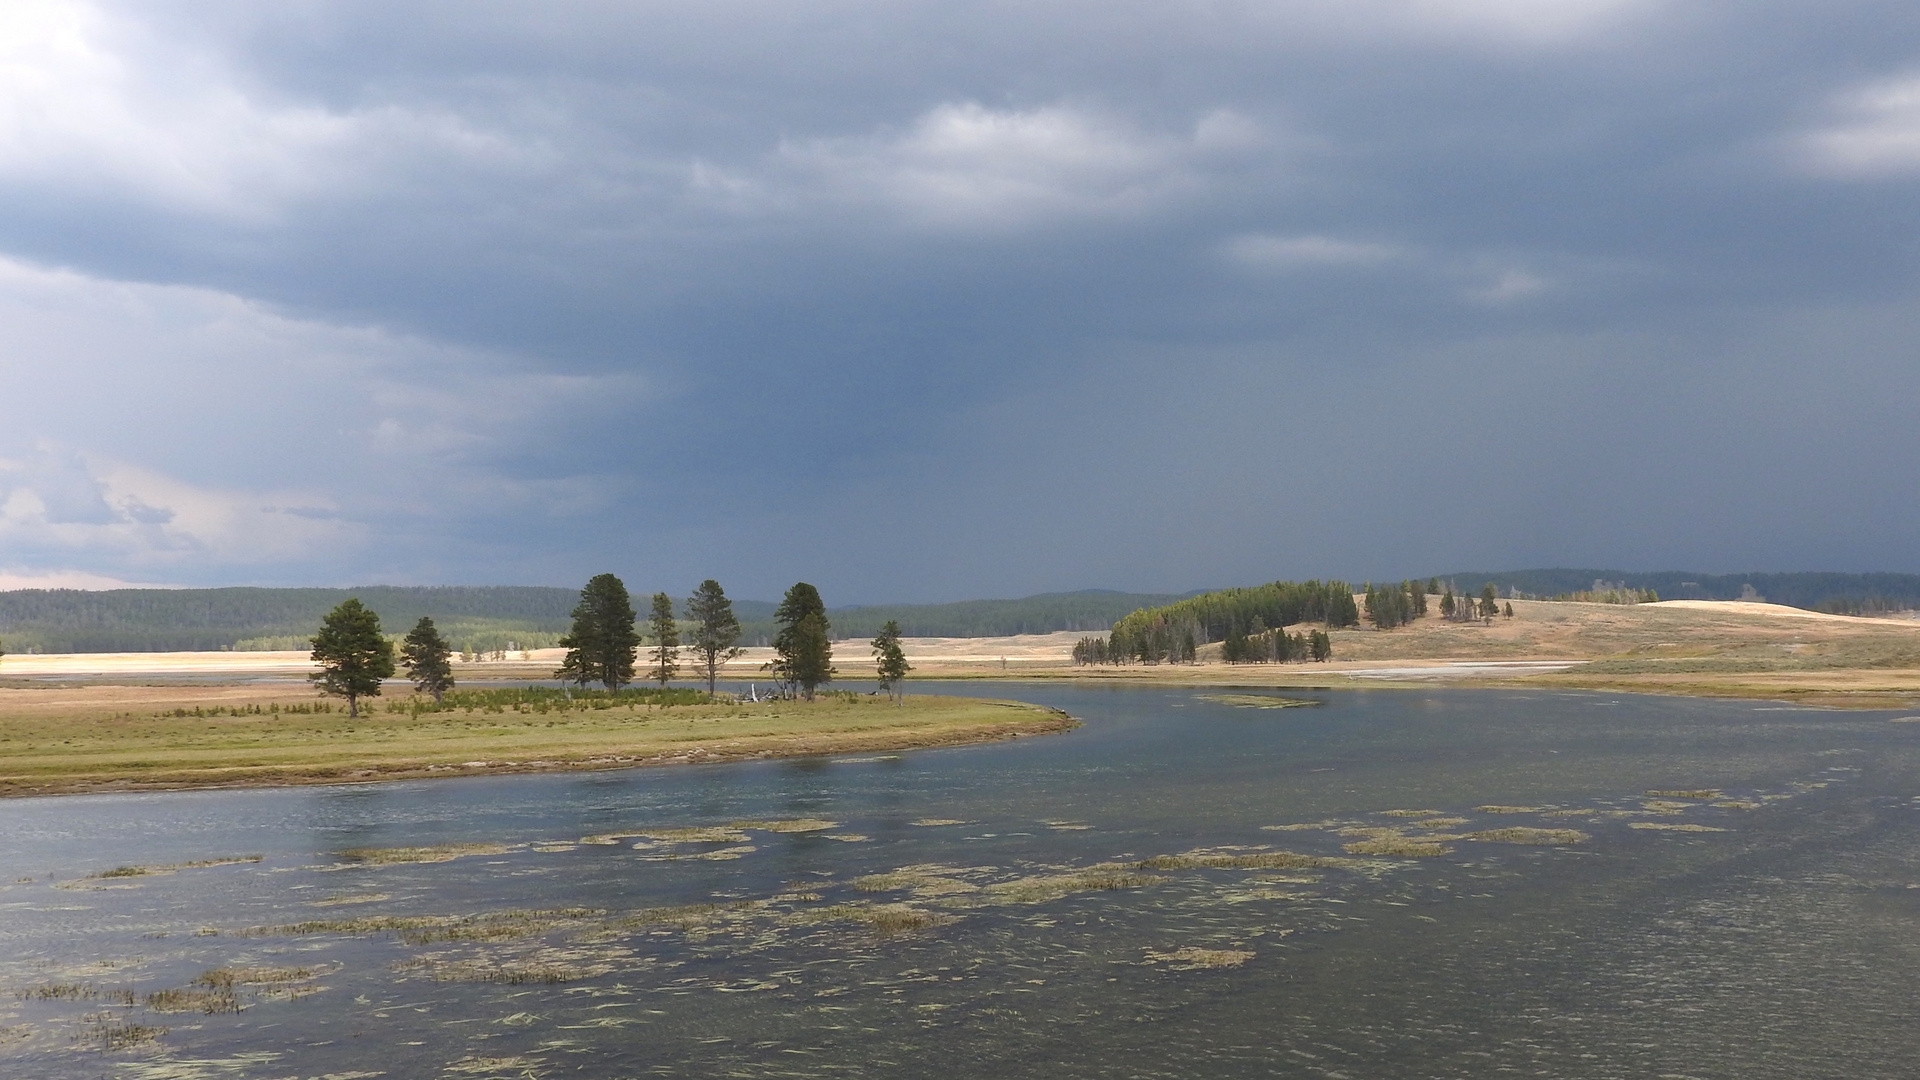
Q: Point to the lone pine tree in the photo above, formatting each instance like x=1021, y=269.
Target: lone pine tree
x=428, y=659
x=602, y=645
x=352, y=653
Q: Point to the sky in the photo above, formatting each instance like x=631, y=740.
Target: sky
x=931, y=301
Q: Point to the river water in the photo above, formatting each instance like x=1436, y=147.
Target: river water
x=1444, y=883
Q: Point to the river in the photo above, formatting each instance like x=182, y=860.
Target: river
x=1387, y=883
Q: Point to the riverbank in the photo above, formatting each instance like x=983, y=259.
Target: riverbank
x=68, y=740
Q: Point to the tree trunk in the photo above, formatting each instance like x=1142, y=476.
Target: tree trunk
x=353, y=707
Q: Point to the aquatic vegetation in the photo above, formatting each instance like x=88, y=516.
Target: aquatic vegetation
x=885, y=920
x=1259, y=860
x=1257, y=701
x=1040, y=888
x=514, y=1066
x=1690, y=793
x=1192, y=959
x=1495, y=808
x=353, y=898
x=505, y=973
x=704, y=834
x=74, y=992
x=1738, y=804
x=438, y=853
x=1411, y=813
x=794, y=825
x=1524, y=835
x=1399, y=846
x=168, y=868
x=1442, y=822
x=718, y=855
x=425, y=929
x=1667, y=806
x=930, y=823
x=1667, y=826
x=112, y=1032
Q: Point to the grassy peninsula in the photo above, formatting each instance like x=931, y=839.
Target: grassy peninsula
x=130, y=738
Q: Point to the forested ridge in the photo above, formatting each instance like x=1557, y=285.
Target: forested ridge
x=481, y=616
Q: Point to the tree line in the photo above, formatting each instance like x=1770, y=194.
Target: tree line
x=1174, y=633
x=603, y=644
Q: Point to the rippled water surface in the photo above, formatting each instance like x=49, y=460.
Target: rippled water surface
x=1445, y=883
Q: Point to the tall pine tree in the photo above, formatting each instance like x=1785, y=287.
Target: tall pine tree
x=802, y=651
x=428, y=658
x=890, y=662
x=353, y=654
x=603, y=642
x=666, y=639
x=715, y=628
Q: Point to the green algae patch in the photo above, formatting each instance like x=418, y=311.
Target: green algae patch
x=1523, y=835
x=1258, y=701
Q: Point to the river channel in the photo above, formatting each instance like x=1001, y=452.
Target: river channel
x=1386, y=883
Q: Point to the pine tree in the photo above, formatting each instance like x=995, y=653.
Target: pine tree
x=1489, y=601
x=666, y=639
x=802, y=652
x=603, y=642
x=353, y=654
x=715, y=628
x=1446, y=603
x=891, y=662
x=428, y=659
x=1509, y=611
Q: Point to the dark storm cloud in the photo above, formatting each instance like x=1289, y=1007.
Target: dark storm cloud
x=938, y=300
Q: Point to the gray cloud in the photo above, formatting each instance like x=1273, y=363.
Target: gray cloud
x=938, y=300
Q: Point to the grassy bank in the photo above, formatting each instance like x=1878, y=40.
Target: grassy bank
x=119, y=738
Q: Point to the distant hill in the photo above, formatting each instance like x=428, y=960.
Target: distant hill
x=1841, y=593
x=486, y=617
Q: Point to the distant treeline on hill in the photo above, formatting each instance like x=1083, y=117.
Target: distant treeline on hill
x=168, y=620
x=1172, y=632
x=486, y=617
x=1845, y=594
